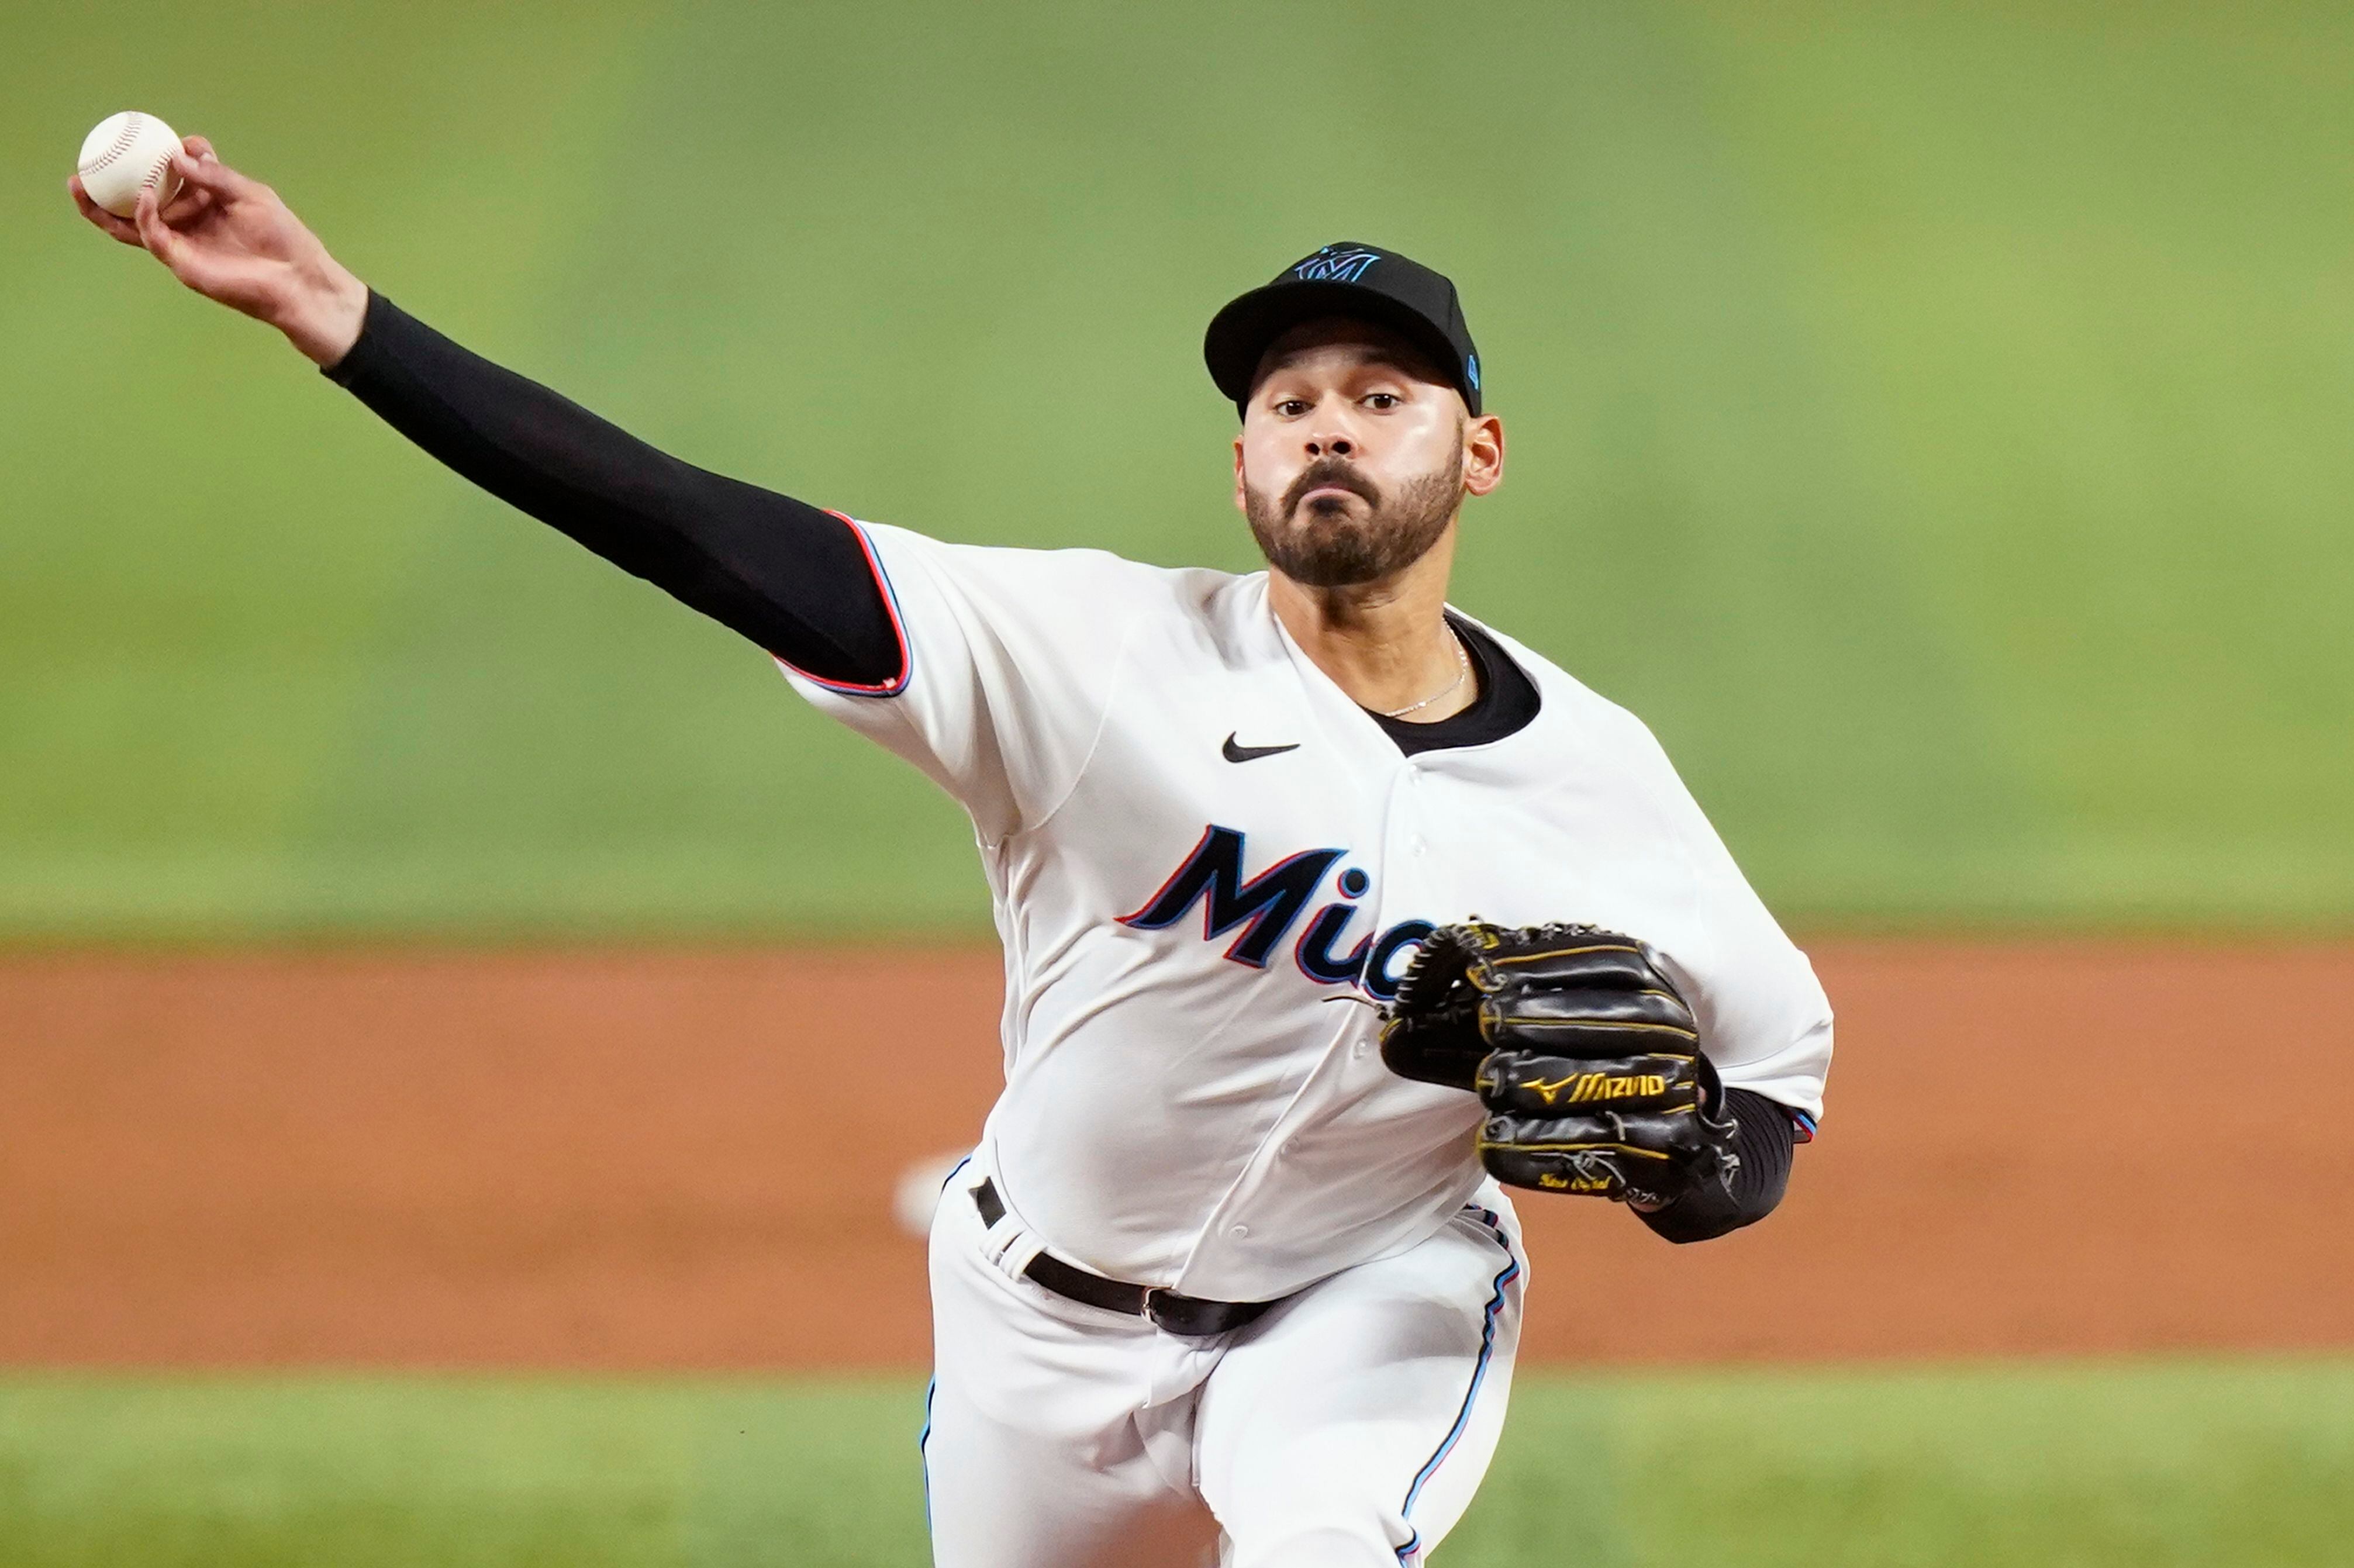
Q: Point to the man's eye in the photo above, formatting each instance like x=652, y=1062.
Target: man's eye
x=1382, y=399
x=1290, y=406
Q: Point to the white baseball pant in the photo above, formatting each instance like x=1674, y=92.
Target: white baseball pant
x=1346, y=1428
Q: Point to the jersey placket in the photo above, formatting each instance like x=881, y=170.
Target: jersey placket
x=1255, y=1206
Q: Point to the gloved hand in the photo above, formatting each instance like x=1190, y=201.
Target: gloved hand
x=1588, y=1060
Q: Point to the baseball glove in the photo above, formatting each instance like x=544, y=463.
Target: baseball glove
x=1587, y=1060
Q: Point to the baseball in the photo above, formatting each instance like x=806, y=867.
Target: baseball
x=918, y=1193
x=125, y=155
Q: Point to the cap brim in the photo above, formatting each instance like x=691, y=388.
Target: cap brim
x=1239, y=334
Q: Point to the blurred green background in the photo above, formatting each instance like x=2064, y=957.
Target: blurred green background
x=1930, y=418
x=2126, y=1466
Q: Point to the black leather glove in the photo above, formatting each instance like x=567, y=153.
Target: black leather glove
x=1586, y=1058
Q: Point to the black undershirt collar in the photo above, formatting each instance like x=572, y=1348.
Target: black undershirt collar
x=1508, y=700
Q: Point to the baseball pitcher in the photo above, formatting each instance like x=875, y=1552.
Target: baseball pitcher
x=1329, y=915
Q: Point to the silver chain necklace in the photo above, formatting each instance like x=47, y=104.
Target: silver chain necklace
x=1462, y=669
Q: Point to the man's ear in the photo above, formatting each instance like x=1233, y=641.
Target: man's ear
x=1483, y=454
x=1242, y=501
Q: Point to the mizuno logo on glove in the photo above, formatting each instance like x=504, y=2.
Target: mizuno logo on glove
x=1585, y=1087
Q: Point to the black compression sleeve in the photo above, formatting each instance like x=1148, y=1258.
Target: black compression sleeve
x=792, y=578
x=1765, y=1143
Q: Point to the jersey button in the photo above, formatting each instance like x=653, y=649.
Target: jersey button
x=1417, y=844
x=1240, y=1232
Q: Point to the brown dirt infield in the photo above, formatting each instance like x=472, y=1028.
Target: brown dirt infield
x=638, y=1160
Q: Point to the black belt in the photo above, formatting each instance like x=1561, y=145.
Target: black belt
x=1187, y=1314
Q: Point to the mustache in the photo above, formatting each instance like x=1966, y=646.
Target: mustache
x=1337, y=473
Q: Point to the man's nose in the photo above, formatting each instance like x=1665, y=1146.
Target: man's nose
x=1331, y=444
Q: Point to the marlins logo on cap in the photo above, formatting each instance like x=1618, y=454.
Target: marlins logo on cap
x=1335, y=264
x=1347, y=277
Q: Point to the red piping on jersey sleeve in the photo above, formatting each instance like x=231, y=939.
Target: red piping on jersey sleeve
x=897, y=683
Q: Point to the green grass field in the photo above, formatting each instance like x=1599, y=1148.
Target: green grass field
x=2063, y=1466
x=1931, y=418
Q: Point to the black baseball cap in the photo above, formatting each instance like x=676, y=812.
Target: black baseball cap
x=1345, y=279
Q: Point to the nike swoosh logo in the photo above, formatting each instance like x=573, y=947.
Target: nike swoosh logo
x=1234, y=753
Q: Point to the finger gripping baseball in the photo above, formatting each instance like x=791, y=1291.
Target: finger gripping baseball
x=1581, y=1048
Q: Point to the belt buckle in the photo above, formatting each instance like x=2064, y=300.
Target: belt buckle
x=1152, y=1299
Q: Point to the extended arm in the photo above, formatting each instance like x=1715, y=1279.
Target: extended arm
x=789, y=577
x=792, y=578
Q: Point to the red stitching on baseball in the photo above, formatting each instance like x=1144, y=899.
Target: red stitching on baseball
x=122, y=140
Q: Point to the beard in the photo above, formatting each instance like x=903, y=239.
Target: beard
x=1330, y=548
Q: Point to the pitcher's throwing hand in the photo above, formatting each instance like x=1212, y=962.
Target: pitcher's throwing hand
x=231, y=239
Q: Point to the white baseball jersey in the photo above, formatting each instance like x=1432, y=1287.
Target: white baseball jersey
x=1195, y=944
